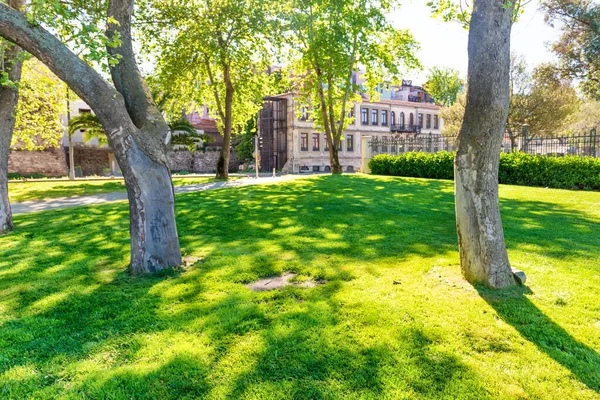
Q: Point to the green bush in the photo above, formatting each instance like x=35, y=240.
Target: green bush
x=569, y=172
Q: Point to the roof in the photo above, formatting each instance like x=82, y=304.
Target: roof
x=412, y=104
x=207, y=125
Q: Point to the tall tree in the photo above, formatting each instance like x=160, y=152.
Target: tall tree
x=540, y=99
x=333, y=38
x=214, y=53
x=10, y=75
x=137, y=131
x=483, y=254
x=444, y=85
x=578, y=48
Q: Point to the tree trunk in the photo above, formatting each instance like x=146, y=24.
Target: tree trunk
x=223, y=162
x=334, y=159
x=71, y=150
x=135, y=128
x=154, y=240
x=483, y=253
x=9, y=97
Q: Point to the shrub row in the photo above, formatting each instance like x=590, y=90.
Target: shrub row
x=569, y=172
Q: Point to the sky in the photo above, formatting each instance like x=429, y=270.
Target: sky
x=444, y=44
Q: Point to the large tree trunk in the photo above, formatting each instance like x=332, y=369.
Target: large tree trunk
x=9, y=98
x=334, y=158
x=135, y=129
x=483, y=253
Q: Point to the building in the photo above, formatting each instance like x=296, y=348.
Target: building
x=292, y=143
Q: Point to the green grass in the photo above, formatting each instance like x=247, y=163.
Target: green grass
x=395, y=320
x=26, y=191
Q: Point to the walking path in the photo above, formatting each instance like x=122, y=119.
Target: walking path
x=76, y=201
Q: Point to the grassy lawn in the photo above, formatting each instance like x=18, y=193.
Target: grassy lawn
x=25, y=191
x=394, y=319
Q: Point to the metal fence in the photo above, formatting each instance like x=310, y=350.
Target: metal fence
x=584, y=145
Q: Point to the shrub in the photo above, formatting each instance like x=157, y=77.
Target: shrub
x=569, y=172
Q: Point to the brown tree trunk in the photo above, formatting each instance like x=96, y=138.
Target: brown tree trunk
x=135, y=128
x=334, y=159
x=223, y=162
x=9, y=97
x=483, y=253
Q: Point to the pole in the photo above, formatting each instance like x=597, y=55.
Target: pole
x=256, y=156
x=525, y=138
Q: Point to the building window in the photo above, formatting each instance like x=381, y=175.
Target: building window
x=327, y=168
x=393, y=118
x=315, y=142
x=411, y=119
x=364, y=112
x=316, y=168
x=420, y=121
x=303, y=114
x=304, y=142
x=349, y=142
x=401, y=122
x=325, y=144
x=384, y=117
x=436, y=122
x=384, y=147
x=374, y=117
x=428, y=121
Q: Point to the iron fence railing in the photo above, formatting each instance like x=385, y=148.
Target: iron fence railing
x=584, y=145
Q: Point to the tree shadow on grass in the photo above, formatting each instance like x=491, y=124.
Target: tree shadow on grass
x=513, y=306
x=71, y=300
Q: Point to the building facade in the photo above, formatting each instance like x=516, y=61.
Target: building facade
x=292, y=143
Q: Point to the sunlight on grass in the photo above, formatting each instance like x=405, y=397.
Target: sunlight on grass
x=394, y=318
x=53, y=189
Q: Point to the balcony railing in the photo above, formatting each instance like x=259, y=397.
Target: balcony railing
x=406, y=128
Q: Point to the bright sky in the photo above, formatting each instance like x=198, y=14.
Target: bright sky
x=445, y=44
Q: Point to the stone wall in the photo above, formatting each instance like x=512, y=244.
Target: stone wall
x=49, y=162
x=201, y=162
x=91, y=160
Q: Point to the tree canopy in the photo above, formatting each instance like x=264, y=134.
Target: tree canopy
x=578, y=48
x=444, y=85
x=330, y=41
x=42, y=101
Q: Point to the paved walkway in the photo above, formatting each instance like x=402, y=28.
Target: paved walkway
x=76, y=201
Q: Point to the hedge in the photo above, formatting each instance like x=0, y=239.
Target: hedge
x=569, y=172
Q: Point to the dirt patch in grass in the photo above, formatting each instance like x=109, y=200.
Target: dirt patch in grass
x=277, y=282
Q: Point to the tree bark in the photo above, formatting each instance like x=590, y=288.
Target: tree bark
x=136, y=131
x=71, y=150
x=223, y=162
x=483, y=253
x=9, y=98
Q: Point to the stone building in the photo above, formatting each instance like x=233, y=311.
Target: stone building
x=292, y=143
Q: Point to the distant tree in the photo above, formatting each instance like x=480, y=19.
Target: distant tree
x=587, y=118
x=546, y=104
x=578, y=48
x=244, y=148
x=331, y=38
x=543, y=100
x=453, y=116
x=42, y=99
x=444, y=85
x=214, y=53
